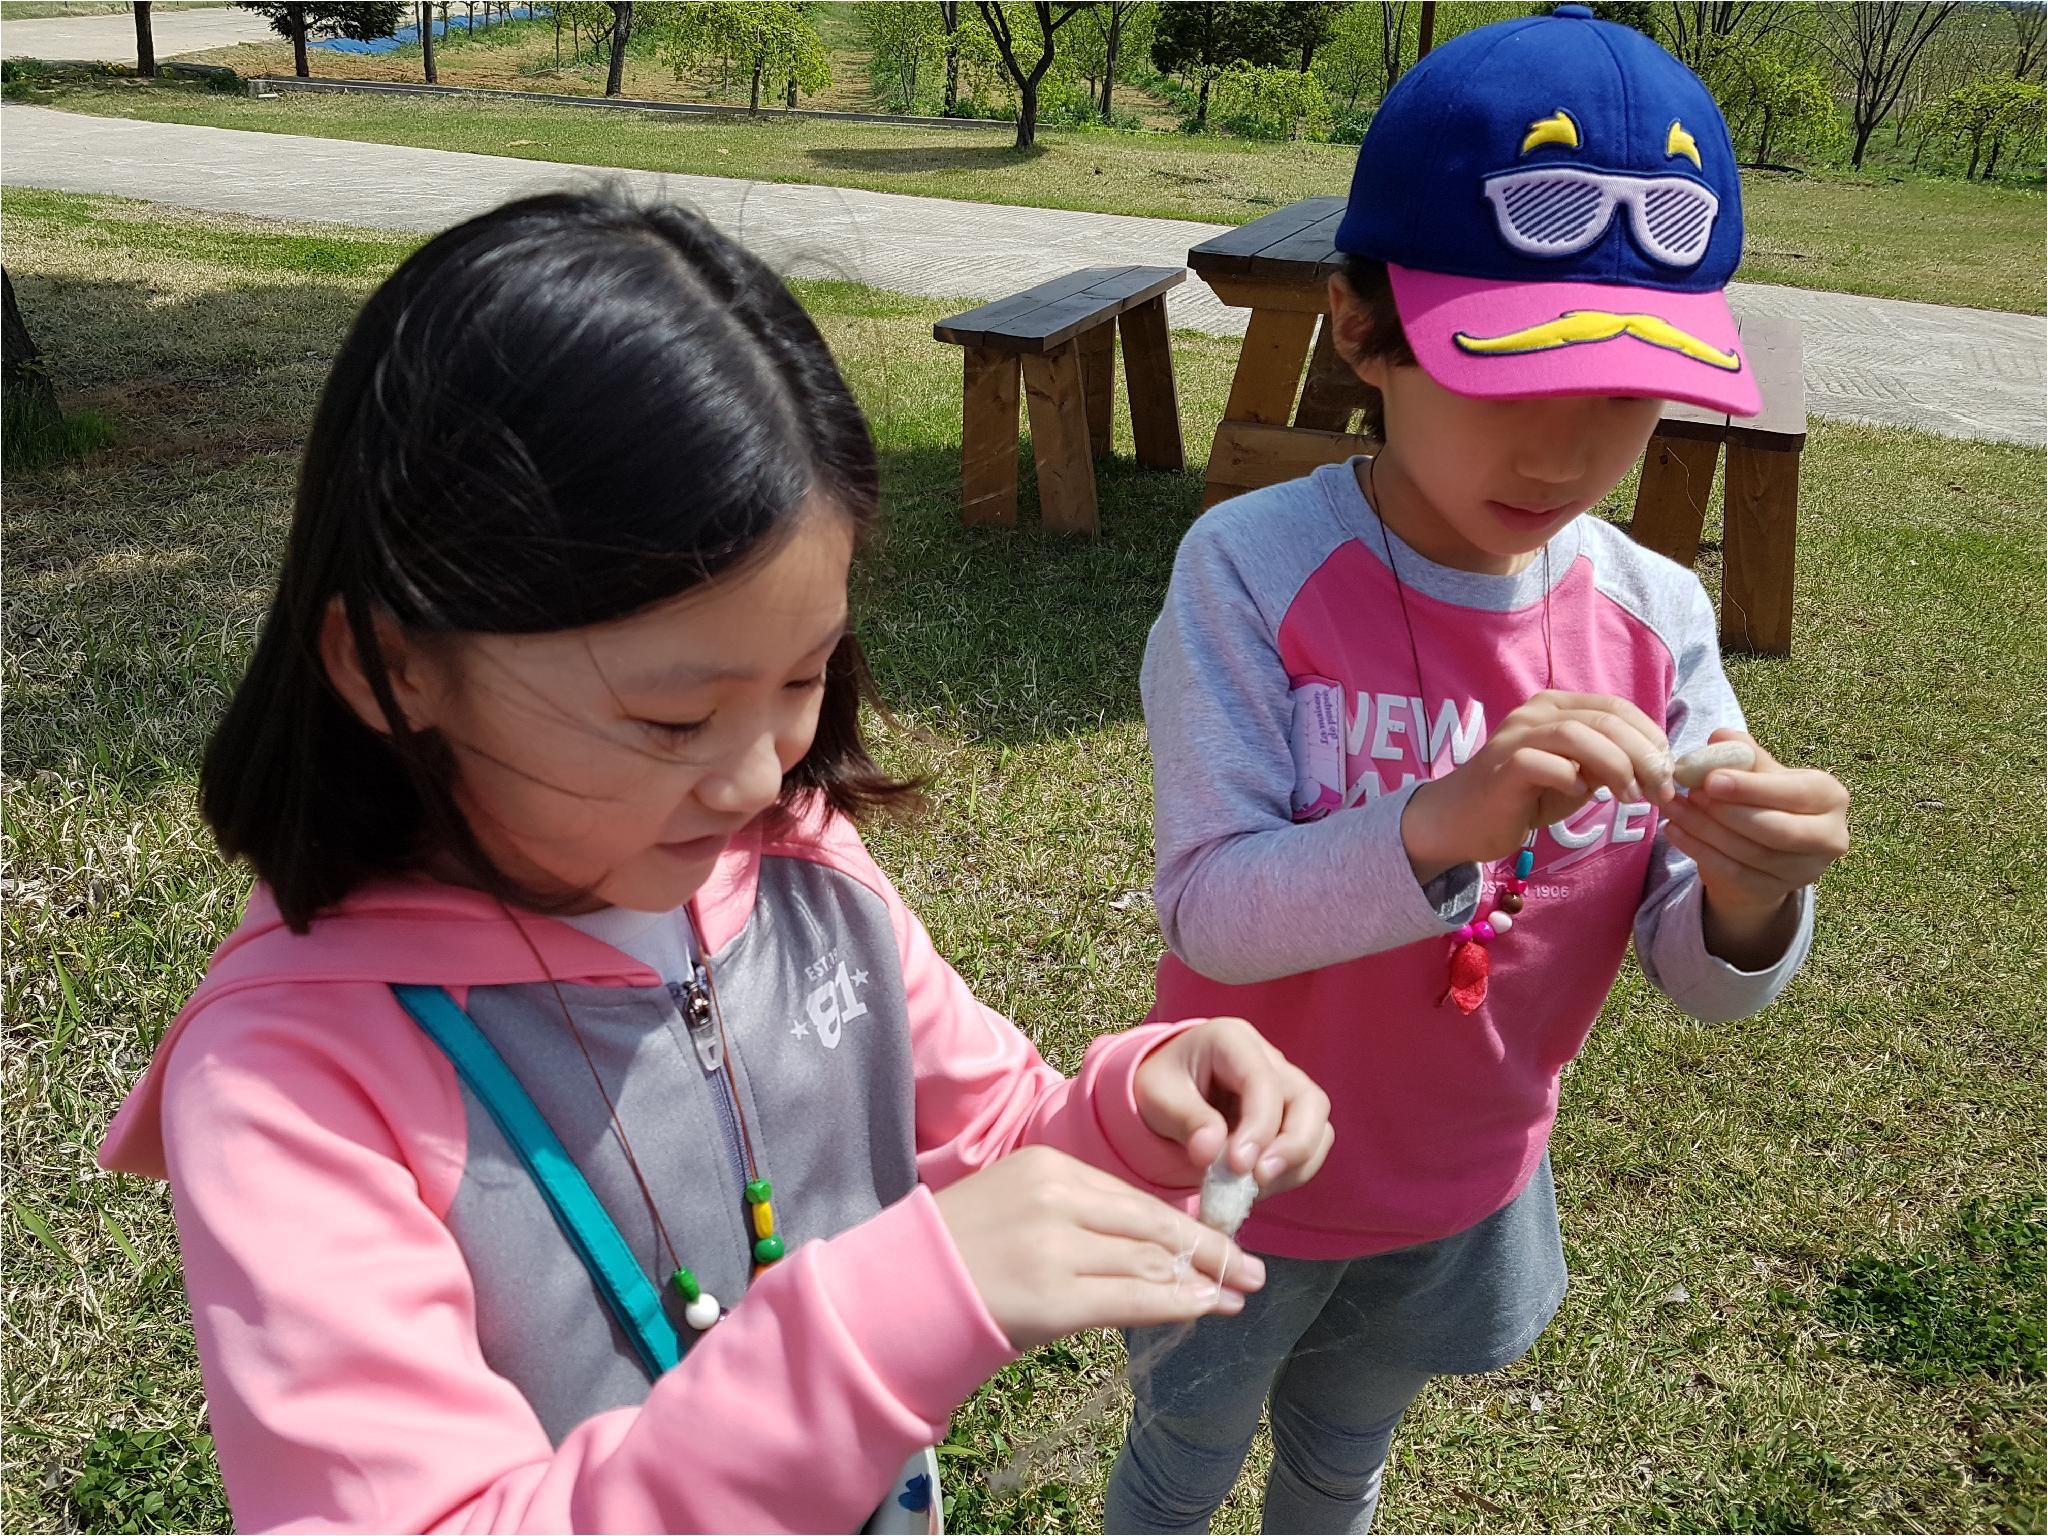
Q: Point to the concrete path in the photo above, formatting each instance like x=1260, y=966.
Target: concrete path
x=112, y=38
x=1961, y=372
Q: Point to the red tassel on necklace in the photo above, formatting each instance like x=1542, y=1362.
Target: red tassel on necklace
x=1469, y=970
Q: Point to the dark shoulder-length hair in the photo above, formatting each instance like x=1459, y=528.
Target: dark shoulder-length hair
x=554, y=415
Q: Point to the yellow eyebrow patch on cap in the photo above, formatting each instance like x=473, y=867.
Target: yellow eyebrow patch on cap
x=1679, y=142
x=1580, y=326
x=1558, y=128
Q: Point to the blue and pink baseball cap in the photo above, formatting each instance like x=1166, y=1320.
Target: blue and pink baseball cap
x=1557, y=203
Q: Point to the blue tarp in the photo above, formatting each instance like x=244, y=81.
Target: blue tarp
x=405, y=35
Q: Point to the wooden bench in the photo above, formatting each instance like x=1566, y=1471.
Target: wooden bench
x=1759, y=496
x=1060, y=335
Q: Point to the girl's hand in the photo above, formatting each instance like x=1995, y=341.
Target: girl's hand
x=1222, y=1084
x=1540, y=765
x=1759, y=837
x=1055, y=1247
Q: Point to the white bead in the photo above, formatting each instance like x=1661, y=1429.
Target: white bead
x=1500, y=921
x=701, y=1313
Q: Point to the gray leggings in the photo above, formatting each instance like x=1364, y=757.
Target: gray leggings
x=1343, y=1346
x=1198, y=1408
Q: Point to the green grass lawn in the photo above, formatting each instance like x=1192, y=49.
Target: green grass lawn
x=1942, y=242
x=1806, y=1249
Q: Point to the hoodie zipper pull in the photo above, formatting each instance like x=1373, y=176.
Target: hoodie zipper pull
x=695, y=1001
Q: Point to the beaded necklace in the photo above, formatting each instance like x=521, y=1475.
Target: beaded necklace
x=1468, y=965
x=698, y=999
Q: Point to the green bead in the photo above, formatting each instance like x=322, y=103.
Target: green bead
x=686, y=1285
x=768, y=1250
x=759, y=1192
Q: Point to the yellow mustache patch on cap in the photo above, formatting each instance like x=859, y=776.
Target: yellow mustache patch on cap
x=1580, y=326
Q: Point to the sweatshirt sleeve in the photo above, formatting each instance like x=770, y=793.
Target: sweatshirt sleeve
x=348, y=1391
x=1670, y=932
x=1246, y=894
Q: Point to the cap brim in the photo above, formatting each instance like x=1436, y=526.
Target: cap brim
x=1498, y=340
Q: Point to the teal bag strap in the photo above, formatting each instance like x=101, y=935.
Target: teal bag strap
x=633, y=1301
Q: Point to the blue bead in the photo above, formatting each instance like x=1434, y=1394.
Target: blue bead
x=1525, y=861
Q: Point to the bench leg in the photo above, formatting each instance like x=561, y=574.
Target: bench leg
x=1098, y=382
x=1148, y=380
x=1761, y=514
x=1332, y=392
x=1059, y=439
x=988, y=439
x=1268, y=375
x=1671, y=499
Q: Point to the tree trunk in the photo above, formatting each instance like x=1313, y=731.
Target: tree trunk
x=949, y=14
x=1991, y=165
x=145, y=43
x=558, y=39
x=298, y=20
x=1428, y=29
x=1763, y=143
x=754, y=90
x=1863, y=133
x=789, y=98
x=25, y=382
x=1202, y=107
x=1027, y=114
x=1976, y=149
x=622, y=32
x=1921, y=148
x=1109, y=56
x=427, y=44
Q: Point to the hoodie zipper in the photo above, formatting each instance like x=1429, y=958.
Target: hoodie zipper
x=694, y=999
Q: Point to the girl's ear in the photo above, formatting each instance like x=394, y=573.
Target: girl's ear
x=1351, y=329
x=403, y=668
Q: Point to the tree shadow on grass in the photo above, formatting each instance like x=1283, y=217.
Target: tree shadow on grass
x=915, y=159
x=140, y=571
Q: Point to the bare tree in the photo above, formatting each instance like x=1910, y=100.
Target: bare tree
x=1874, y=46
x=1693, y=28
x=622, y=32
x=949, y=18
x=2028, y=21
x=1109, y=20
x=1050, y=19
x=1393, y=25
x=145, y=42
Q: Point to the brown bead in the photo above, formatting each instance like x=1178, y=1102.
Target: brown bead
x=1509, y=903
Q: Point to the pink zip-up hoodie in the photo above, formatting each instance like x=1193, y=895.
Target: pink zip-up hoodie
x=396, y=1337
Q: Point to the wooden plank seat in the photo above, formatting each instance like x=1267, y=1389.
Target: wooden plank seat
x=1060, y=337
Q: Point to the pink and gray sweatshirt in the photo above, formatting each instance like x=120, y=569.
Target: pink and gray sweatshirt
x=1291, y=718
x=394, y=1334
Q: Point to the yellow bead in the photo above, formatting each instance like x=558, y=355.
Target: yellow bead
x=764, y=1219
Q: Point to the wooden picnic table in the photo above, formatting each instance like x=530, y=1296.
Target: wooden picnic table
x=1279, y=424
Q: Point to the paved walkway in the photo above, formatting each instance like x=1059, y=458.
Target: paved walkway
x=112, y=38
x=1961, y=372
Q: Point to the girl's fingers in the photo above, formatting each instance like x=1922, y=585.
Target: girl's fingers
x=1731, y=875
x=1800, y=835
x=1123, y=1258
x=1650, y=755
x=1116, y=1302
x=1135, y=1216
x=1605, y=704
x=1244, y=1063
x=1304, y=1141
x=1549, y=772
x=1601, y=762
x=1763, y=861
x=1801, y=791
